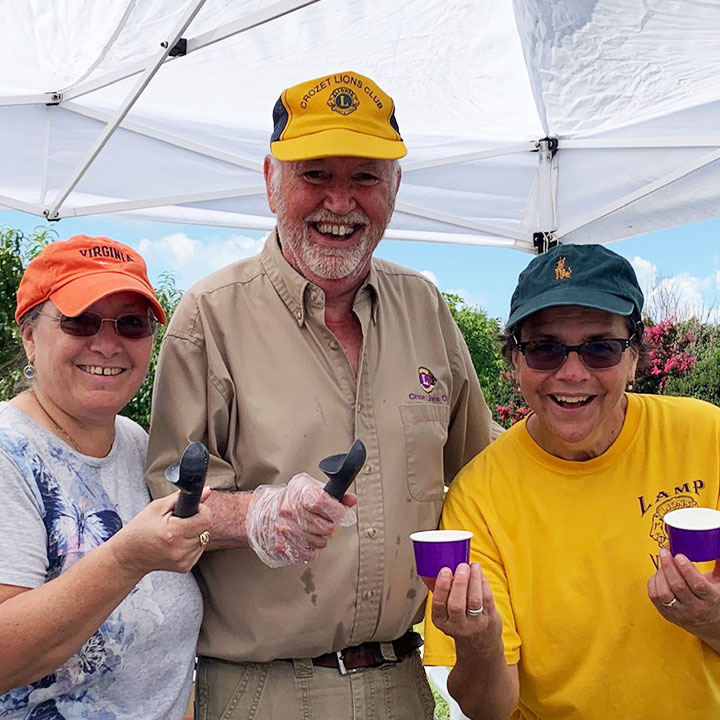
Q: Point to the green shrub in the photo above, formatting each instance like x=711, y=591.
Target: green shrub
x=139, y=408
x=702, y=381
x=16, y=250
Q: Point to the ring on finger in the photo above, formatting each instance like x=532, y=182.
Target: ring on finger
x=474, y=612
x=670, y=603
x=204, y=538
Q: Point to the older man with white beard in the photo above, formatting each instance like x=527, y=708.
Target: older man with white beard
x=278, y=361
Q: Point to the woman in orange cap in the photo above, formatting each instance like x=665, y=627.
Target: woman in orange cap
x=90, y=624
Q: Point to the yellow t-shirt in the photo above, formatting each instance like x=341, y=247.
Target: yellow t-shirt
x=568, y=547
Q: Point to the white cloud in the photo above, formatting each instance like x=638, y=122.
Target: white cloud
x=431, y=276
x=471, y=298
x=646, y=273
x=191, y=259
x=681, y=295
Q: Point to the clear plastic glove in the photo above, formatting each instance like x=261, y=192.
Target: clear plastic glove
x=289, y=523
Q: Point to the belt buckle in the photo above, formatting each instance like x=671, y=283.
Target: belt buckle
x=341, y=664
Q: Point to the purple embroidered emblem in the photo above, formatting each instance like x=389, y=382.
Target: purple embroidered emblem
x=427, y=380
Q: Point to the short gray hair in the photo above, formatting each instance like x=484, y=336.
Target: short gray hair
x=29, y=319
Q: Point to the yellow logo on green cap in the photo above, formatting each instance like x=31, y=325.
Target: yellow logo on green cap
x=561, y=272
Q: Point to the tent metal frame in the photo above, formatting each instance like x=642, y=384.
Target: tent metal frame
x=152, y=68
x=549, y=151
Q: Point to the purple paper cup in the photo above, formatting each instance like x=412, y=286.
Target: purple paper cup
x=436, y=549
x=694, y=532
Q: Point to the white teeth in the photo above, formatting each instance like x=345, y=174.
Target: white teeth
x=97, y=370
x=339, y=230
x=571, y=400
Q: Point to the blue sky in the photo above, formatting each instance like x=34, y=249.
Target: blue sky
x=678, y=266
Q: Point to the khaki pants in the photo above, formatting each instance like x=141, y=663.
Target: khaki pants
x=298, y=690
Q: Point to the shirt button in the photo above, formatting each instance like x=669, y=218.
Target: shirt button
x=298, y=314
x=368, y=594
x=367, y=469
x=313, y=294
x=333, y=345
x=371, y=532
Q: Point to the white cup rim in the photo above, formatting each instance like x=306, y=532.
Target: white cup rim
x=694, y=518
x=440, y=536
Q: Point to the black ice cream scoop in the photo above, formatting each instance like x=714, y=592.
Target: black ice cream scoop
x=188, y=474
x=342, y=469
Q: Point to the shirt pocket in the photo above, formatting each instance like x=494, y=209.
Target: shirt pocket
x=425, y=431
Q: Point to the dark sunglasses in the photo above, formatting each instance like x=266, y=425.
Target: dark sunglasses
x=131, y=326
x=547, y=355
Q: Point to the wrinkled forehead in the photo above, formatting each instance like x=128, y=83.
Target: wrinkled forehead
x=346, y=164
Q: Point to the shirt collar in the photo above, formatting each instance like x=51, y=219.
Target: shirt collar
x=295, y=290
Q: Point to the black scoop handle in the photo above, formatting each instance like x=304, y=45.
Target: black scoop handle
x=191, y=479
x=342, y=469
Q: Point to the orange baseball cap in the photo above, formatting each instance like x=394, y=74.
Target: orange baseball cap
x=78, y=272
x=344, y=114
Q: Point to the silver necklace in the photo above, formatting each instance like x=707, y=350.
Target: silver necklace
x=65, y=434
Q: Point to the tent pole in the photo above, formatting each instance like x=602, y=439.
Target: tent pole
x=124, y=108
x=252, y=20
x=645, y=142
x=124, y=206
x=544, y=239
x=25, y=100
x=460, y=222
x=529, y=146
x=14, y=204
x=169, y=138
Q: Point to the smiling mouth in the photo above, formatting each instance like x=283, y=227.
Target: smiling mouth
x=572, y=402
x=336, y=231
x=97, y=370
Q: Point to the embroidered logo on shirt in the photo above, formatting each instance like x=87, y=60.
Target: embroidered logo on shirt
x=427, y=380
x=657, y=528
x=561, y=272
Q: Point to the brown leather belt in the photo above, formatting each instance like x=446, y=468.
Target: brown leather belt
x=369, y=654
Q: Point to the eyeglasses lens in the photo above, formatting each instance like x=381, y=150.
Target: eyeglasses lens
x=132, y=327
x=602, y=353
x=597, y=354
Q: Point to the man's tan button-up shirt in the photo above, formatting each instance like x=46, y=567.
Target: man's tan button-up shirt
x=249, y=367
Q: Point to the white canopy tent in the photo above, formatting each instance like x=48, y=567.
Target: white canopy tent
x=526, y=121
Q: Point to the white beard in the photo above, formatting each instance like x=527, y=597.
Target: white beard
x=326, y=262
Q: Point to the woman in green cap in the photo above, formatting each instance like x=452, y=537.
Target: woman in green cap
x=572, y=606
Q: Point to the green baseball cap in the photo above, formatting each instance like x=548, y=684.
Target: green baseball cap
x=587, y=275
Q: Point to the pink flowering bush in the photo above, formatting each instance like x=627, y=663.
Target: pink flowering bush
x=671, y=354
x=510, y=406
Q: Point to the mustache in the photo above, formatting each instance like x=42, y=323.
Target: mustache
x=354, y=217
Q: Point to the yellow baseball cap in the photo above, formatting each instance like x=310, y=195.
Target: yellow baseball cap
x=345, y=114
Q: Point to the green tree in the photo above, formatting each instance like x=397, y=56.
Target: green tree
x=169, y=295
x=702, y=381
x=481, y=334
x=16, y=250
